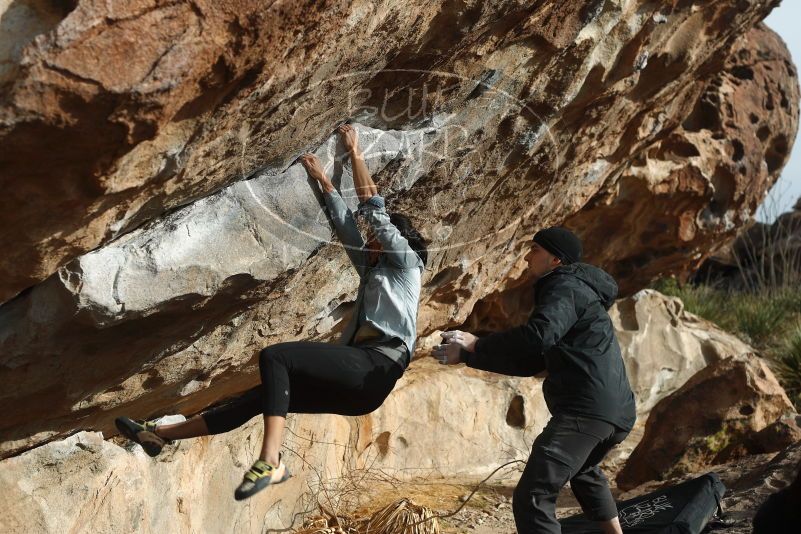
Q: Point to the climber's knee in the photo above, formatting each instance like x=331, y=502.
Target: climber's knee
x=280, y=354
x=264, y=356
x=269, y=356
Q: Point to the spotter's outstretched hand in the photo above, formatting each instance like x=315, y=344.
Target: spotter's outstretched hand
x=448, y=354
x=463, y=339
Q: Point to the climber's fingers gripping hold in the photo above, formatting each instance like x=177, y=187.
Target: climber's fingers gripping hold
x=314, y=167
x=350, y=137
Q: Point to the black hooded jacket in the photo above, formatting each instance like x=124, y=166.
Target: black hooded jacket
x=570, y=335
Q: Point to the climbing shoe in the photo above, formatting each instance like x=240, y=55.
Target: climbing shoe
x=143, y=433
x=259, y=476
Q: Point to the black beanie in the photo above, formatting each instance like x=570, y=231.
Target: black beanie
x=560, y=242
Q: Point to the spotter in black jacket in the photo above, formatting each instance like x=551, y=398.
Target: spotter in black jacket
x=570, y=335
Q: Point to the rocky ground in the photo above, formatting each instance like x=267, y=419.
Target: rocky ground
x=748, y=480
x=489, y=509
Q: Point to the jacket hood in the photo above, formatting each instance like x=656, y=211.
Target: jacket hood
x=596, y=278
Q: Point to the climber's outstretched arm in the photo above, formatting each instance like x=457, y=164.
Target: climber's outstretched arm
x=341, y=215
x=371, y=206
x=365, y=187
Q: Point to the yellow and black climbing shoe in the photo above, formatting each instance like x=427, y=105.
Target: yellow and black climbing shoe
x=141, y=432
x=259, y=476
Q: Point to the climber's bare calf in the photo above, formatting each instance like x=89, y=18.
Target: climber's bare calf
x=193, y=427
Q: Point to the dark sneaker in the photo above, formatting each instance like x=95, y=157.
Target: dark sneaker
x=141, y=432
x=259, y=476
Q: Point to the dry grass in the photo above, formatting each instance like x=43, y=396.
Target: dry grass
x=399, y=517
x=403, y=517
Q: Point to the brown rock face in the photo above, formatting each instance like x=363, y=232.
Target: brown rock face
x=725, y=402
x=775, y=437
x=161, y=235
x=106, y=119
x=688, y=192
x=779, y=435
x=694, y=188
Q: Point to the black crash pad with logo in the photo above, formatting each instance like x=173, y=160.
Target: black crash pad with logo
x=685, y=508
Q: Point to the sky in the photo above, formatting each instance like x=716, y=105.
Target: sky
x=784, y=21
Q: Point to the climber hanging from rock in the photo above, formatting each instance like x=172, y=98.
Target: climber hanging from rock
x=569, y=334
x=352, y=378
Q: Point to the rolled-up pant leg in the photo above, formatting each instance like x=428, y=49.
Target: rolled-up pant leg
x=558, y=454
x=234, y=413
x=591, y=489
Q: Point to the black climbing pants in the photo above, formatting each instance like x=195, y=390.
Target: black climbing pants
x=568, y=449
x=307, y=377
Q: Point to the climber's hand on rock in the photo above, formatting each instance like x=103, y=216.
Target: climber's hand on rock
x=447, y=354
x=463, y=339
x=315, y=169
x=350, y=138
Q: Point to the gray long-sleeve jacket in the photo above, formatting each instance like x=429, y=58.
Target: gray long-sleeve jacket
x=389, y=292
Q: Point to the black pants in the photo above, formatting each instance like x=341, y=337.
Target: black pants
x=569, y=449
x=307, y=377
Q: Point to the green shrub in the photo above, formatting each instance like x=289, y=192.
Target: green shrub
x=757, y=318
x=788, y=364
x=706, y=302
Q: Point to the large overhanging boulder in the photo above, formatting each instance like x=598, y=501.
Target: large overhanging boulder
x=693, y=189
x=127, y=126
x=686, y=193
